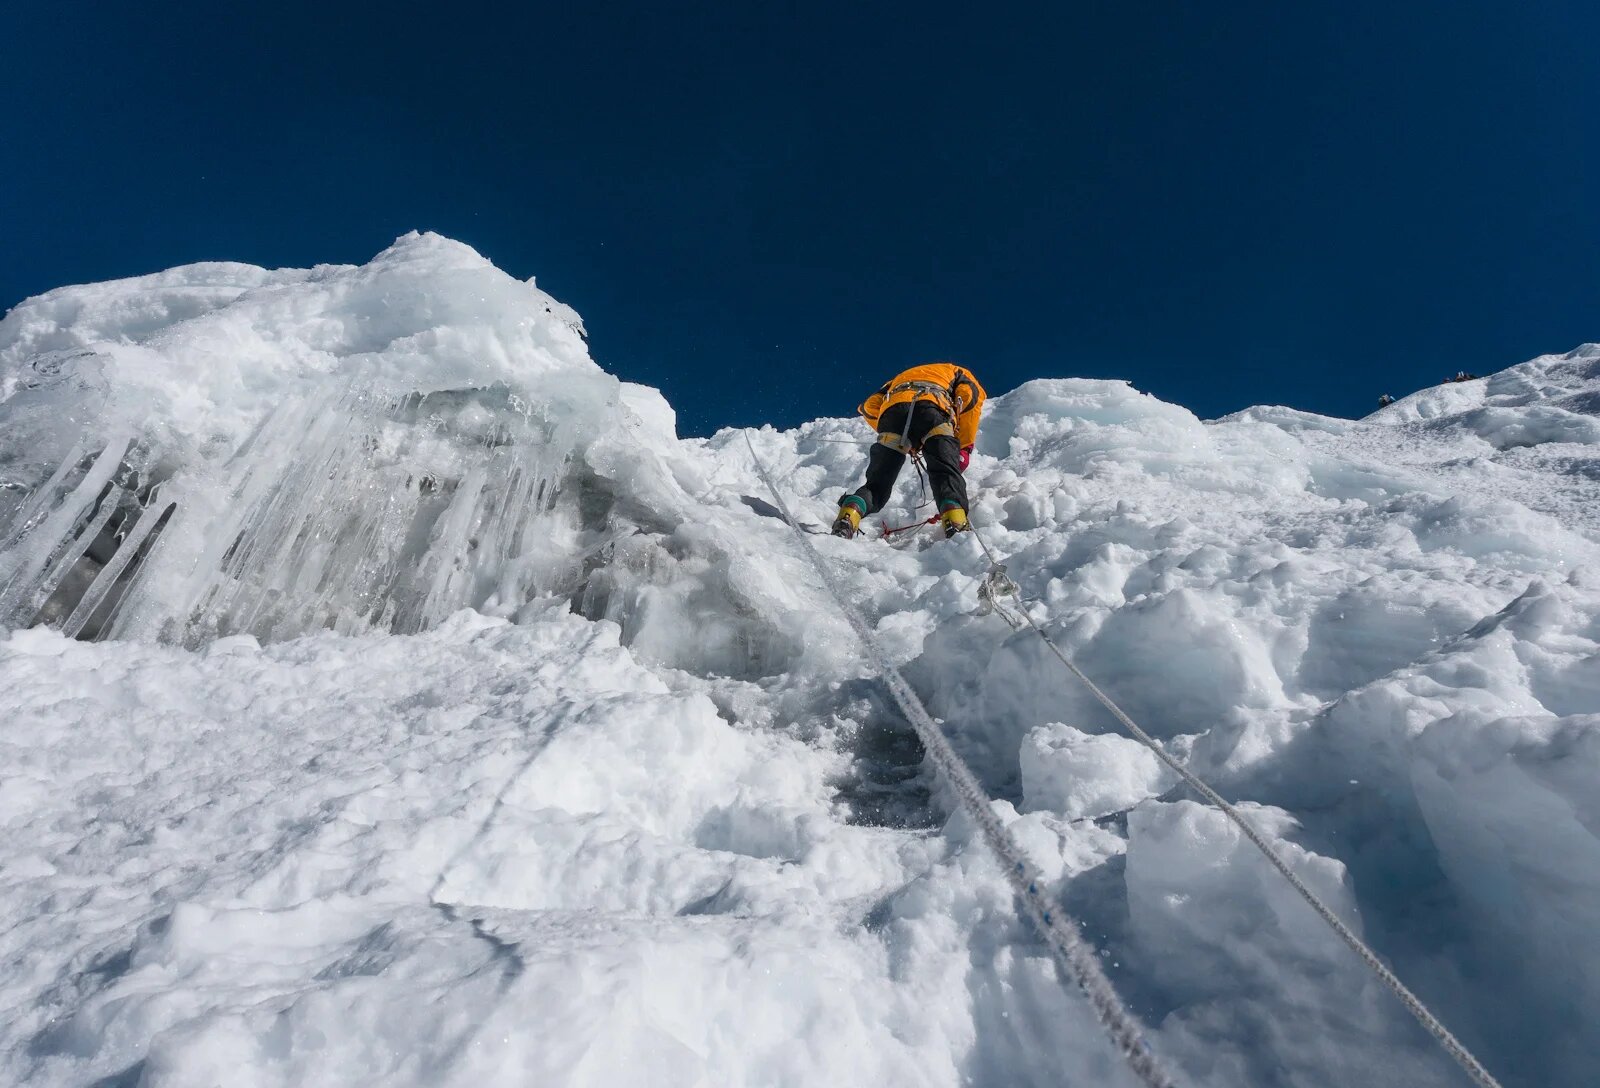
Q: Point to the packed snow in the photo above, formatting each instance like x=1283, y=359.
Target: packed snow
x=389, y=696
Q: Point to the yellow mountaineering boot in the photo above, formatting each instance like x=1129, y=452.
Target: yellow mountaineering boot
x=848, y=523
x=953, y=521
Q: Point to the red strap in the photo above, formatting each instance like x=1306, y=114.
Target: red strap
x=916, y=525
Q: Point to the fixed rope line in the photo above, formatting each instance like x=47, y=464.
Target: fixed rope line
x=1002, y=586
x=1057, y=927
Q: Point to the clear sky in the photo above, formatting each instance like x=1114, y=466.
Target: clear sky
x=767, y=208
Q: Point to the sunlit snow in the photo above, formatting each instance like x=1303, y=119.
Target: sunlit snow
x=388, y=696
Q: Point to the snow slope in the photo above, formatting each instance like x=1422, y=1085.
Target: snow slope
x=451, y=721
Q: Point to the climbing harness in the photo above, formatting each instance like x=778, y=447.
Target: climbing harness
x=942, y=399
x=1059, y=929
x=940, y=394
x=901, y=443
x=997, y=584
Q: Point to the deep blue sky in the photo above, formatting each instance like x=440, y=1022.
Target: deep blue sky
x=767, y=208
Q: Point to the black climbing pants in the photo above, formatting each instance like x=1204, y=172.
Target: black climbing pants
x=940, y=453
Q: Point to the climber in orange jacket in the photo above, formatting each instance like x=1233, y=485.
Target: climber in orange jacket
x=933, y=408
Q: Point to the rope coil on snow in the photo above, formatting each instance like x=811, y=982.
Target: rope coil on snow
x=1451, y=1045
x=1060, y=932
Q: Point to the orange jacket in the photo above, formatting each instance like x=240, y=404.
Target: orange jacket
x=958, y=393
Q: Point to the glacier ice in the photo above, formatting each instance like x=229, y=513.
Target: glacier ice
x=345, y=449
x=389, y=695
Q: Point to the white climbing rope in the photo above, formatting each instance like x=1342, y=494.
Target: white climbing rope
x=997, y=585
x=1058, y=928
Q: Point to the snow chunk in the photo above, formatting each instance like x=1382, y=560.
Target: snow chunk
x=1079, y=775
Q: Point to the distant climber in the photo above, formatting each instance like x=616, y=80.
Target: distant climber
x=1461, y=376
x=934, y=409
x=1385, y=400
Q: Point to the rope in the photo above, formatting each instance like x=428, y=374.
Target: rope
x=1058, y=929
x=1451, y=1045
x=888, y=532
x=922, y=478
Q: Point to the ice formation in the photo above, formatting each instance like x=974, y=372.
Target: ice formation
x=389, y=696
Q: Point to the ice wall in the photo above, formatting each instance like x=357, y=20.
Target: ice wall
x=219, y=449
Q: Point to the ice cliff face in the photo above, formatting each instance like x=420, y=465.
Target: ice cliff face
x=219, y=449
x=436, y=716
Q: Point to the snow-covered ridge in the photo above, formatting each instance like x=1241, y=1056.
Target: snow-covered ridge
x=451, y=721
